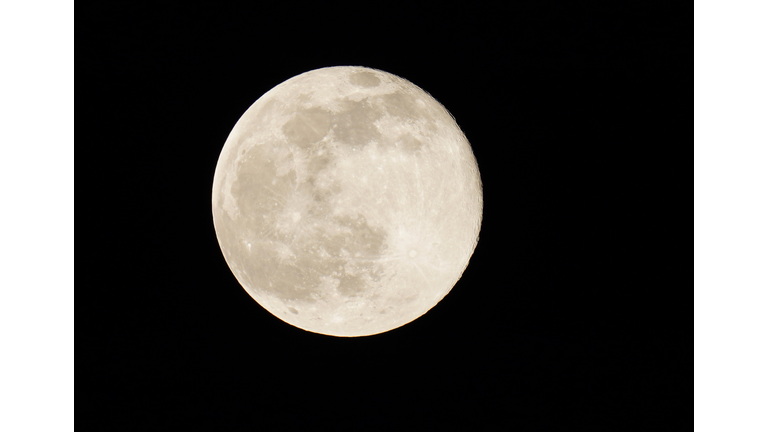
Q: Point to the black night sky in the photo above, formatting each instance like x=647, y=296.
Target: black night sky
x=564, y=317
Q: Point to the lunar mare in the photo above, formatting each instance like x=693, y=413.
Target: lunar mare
x=347, y=201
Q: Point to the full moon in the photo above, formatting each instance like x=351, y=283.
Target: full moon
x=347, y=201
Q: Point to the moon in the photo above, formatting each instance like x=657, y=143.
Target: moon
x=347, y=201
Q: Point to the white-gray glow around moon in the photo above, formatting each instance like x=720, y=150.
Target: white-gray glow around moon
x=347, y=201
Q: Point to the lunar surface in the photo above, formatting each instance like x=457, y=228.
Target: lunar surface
x=347, y=201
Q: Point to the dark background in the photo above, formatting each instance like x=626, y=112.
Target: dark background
x=563, y=317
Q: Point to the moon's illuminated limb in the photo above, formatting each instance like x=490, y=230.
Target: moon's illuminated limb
x=347, y=201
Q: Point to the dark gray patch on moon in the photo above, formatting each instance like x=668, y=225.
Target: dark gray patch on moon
x=365, y=79
x=355, y=125
x=351, y=285
x=409, y=143
x=308, y=126
x=292, y=229
x=253, y=188
x=402, y=105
